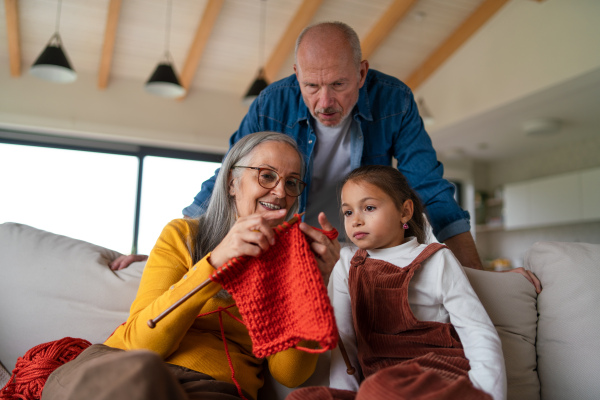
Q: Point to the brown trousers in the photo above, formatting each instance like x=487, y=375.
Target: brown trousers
x=105, y=373
x=409, y=381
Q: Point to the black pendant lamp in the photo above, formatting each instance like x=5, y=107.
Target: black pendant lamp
x=163, y=81
x=260, y=82
x=53, y=65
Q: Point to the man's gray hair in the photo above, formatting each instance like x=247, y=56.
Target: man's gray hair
x=345, y=29
x=221, y=212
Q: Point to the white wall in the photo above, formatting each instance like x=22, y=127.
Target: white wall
x=526, y=47
x=513, y=244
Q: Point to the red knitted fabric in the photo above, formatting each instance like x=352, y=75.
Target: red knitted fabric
x=32, y=370
x=281, y=295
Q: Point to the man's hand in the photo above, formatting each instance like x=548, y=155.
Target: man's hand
x=125, y=261
x=327, y=251
x=530, y=276
x=463, y=247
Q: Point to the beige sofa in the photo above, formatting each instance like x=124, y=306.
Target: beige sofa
x=53, y=286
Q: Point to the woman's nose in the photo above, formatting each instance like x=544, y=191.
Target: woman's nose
x=279, y=190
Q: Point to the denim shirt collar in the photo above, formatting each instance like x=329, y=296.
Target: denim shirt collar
x=363, y=108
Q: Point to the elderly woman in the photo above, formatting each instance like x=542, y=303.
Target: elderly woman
x=257, y=188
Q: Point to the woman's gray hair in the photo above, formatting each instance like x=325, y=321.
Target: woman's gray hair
x=221, y=213
x=345, y=29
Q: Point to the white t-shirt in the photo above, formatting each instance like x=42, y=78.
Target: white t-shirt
x=439, y=291
x=330, y=164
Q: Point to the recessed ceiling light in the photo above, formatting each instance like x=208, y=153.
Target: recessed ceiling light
x=541, y=127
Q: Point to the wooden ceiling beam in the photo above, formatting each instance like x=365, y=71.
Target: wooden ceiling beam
x=108, y=47
x=12, y=33
x=287, y=43
x=394, y=14
x=475, y=21
x=205, y=28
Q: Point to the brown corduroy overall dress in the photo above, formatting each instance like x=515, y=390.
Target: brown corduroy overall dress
x=400, y=356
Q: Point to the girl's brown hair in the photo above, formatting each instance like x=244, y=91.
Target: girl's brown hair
x=394, y=184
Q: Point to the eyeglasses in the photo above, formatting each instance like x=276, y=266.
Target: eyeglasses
x=268, y=179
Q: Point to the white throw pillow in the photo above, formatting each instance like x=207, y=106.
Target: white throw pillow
x=510, y=301
x=53, y=286
x=568, y=347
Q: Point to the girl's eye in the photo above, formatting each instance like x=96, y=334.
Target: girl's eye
x=370, y=208
x=347, y=213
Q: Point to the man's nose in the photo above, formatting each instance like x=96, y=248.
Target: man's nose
x=326, y=99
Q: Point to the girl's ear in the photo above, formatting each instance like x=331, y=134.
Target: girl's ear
x=407, y=210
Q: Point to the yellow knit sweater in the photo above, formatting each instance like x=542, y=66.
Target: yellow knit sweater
x=195, y=343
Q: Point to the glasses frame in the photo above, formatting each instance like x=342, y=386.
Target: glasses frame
x=259, y=169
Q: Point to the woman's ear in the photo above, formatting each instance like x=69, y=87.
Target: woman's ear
x=407, y=210
x=231, y=184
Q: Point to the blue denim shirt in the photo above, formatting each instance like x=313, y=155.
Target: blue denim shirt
x=390, y=126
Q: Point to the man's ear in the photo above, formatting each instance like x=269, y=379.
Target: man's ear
x=364, y=68
x=407, y=210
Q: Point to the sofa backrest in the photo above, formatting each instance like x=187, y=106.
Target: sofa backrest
x=53, y=286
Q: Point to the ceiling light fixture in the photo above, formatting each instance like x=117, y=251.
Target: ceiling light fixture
x=260, y=82
x=541, y=127
x=53, y=65
x=164, y=81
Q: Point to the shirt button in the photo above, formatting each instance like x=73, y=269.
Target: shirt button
x=172, y=287
x=185, y=276
x=310, y=142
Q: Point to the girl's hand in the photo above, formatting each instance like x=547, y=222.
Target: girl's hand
x=249, y=236
x=327, y=251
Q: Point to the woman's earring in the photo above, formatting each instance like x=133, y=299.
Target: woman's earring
x=405, y=226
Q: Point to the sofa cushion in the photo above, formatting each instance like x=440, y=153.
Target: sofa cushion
x=54, y=286
x=510, y=301
x=569, y=320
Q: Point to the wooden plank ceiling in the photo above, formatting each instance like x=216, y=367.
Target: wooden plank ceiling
x=216, y=43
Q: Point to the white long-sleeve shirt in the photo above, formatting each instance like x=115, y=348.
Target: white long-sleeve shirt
x=440, y=292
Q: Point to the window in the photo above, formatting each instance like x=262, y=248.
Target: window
x=82, y=194
x=168, y=185
x=91, y=191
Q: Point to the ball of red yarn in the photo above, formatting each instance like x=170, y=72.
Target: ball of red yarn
x=32, y=370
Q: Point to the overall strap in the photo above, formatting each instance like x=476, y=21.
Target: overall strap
x=430, y=250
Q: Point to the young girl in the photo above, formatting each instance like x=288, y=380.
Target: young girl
x=410, y=321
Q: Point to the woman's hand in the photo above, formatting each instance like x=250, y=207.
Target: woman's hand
x=327, y=251
x=249, y=236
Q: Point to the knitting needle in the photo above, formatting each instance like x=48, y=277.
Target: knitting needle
x=349, y=368
x=152, y=322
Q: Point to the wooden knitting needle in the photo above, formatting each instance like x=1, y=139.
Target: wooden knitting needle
x=349, y=368
x=152, y=322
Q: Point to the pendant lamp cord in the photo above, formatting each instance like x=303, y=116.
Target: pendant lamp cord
x=261, y=38
x=168, y=31
x=58, y=16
